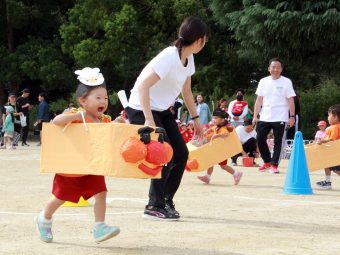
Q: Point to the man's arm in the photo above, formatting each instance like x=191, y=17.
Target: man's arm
x=291, y=103
x=257, y=107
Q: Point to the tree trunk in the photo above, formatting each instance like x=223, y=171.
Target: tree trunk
x=10, y=35
x=2, y=94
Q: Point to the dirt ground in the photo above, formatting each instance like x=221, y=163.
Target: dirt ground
x=252, y=218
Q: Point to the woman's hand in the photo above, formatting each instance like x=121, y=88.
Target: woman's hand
x=150, y=123
x=198, y=130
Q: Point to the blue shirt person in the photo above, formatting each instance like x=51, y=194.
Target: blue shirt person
x=203, y=110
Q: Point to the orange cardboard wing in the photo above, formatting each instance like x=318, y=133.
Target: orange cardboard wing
x=210, y=154
x=322, y=156
x=94, y=151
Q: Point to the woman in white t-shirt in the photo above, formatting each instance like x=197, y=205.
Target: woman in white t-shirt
x=159, y=84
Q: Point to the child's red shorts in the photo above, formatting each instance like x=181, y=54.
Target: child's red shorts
x=72, y=188
x=223, y=163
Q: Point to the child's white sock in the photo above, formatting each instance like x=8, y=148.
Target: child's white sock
x=327, y=178
x=97, y=223
x=42, y=217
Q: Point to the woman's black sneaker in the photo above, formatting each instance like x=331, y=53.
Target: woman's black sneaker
x=156, y=213
x=170, y=207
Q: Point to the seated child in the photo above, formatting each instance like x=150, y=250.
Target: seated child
x=332, y=133
x=219, y=130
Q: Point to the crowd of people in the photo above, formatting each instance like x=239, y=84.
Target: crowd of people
x=15, y=118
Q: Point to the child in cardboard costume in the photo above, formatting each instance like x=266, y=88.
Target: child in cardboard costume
x=93, y=100
x=332, y=134
x=219, y=130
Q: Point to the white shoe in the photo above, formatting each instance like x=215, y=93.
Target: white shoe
x=237, y=177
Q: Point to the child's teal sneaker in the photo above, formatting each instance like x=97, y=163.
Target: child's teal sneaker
x=44, y=228
x=102, y=232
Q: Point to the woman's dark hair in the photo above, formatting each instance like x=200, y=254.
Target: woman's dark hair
x=240, y=90
x=220, y=102
x=335, y=110
x=191, y=29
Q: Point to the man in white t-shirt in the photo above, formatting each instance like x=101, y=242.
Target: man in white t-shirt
x=247, y=136
x=275, y=104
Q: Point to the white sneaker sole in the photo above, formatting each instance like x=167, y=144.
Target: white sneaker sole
x=107, y=236
x=323, y=188
x=150, y=217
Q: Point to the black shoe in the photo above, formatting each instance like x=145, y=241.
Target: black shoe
x=170, y=207
x=156, y=213
x=25, y=144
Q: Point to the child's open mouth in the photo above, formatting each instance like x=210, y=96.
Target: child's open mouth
x=100, y=109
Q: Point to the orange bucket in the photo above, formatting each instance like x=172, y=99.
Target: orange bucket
x=248, y=161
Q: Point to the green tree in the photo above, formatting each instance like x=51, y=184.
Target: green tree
x=305, y=34
x=30, y=46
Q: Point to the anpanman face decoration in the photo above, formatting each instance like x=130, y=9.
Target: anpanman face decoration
x=192, y=164
x=150, y=155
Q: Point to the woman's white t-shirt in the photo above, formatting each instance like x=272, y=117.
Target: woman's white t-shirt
x=168, y=66
x=275, y=93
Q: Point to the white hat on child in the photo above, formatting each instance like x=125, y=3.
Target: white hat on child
x=90, y=76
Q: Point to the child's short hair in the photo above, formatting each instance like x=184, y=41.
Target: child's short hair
x=83, y=90
x=335, y=110
x=220, y=113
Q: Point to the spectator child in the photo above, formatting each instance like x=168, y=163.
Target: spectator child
x=93, y=100
x=321, y=133
x=186, y=133
x=219, y=130
x=332, y=133
x=8, y=127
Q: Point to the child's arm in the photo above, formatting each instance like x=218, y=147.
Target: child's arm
x=323, y=140
x=223, y=135
x=63, y=119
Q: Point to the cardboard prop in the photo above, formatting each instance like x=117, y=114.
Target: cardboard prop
x=321, y=156
x=217, y=150
x=103, y=149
